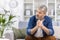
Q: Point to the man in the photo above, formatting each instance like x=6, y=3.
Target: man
x=40, y=26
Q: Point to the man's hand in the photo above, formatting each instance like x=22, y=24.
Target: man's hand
x=40, y=23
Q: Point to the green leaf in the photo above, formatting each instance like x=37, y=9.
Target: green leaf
x=0, y=20
x=3, y=21
x=10, y=17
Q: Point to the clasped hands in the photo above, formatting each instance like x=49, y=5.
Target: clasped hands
x=40, y=23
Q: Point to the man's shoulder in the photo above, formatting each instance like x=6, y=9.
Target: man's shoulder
x=33, y=17
x=48, y=18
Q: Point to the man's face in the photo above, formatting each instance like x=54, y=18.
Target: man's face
x=40, y=14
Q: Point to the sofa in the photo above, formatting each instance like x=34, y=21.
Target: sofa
x=57, y=32
x=21, y=32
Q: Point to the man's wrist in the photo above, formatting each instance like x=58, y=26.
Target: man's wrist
x=42, y=27
x=36, y=26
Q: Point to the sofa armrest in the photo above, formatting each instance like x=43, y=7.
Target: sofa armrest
x=9, y=34
x=57, y=32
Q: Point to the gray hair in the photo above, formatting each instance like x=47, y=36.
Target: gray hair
x=43, y=7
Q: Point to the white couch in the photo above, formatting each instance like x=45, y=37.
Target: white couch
x=57, y=31
x=9, y=34
x=56, y=34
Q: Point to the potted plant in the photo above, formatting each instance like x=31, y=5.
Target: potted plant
x=5, y=22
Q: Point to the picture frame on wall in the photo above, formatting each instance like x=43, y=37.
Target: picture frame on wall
x=27, y=12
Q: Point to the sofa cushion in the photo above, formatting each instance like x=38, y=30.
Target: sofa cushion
x=57, y=32
x=19, y=33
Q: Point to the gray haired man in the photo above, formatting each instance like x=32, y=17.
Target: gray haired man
x=40, y=26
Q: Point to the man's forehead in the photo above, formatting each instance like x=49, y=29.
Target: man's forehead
x=40, y=9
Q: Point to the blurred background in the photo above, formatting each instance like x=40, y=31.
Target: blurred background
x=23, y=10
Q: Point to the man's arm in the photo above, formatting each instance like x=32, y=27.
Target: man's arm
x=49, y=30
x=34, y=30
x=46, y=30
x=30, y=30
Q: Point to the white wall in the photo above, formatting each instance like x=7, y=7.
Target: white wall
x=18, y=11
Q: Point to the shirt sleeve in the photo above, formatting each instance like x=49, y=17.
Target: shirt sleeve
x=51, y=32
x=30, y=25
x=50, y=27
x=29, y=31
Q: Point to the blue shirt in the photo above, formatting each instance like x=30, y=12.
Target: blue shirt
x=47, y=23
